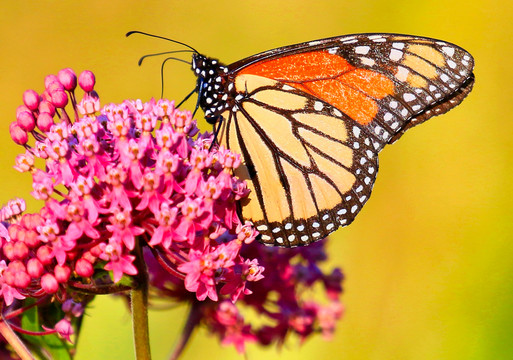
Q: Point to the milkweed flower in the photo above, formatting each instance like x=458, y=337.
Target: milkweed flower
x=118, y=182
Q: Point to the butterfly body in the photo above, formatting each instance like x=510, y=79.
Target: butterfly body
x=310, y=119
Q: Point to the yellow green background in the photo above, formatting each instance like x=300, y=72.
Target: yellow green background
x=428, y=261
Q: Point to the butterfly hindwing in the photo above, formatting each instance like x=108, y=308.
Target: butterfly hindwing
x=308, y=168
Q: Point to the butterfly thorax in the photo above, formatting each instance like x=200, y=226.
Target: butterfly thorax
x=216, y=94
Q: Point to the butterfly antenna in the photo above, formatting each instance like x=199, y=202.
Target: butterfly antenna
x=161, y=37
x=161, y=53
x=162, y=72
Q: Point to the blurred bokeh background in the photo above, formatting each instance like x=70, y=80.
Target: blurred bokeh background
x=429, y=261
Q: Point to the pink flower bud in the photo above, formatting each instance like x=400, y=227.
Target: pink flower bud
x=16, y=266
x=58, y=98
x=8, y=249
x=44, y=121
x=31, y=99
x=44, y=254
x=14, y=229
x=84, y=268
x=18, y=135
x=31, y=238
x=21, y=279
x=35, y=268
x=20, y=250
x=51, y=79
x=25, y=119
x=46, y=107
x=62, y=273
x=68, y=79
x=89, y=257
x=49, y=283
x=86, y=80
x=64, y=329
x=97, y=250
x=31, y=221
x=8, y=277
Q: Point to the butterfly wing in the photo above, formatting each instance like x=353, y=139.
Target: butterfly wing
x=309, y=120
x=309, y=170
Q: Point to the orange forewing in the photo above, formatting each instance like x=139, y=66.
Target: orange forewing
x=303, y=67
x=330, y=78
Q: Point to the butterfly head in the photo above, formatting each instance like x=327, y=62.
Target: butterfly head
x=211, y=86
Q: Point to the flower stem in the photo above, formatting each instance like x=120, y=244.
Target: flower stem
x=14, y=341
x=139, y=300
x=192, y=321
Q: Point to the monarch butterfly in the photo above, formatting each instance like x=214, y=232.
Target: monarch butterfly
x=310, y=119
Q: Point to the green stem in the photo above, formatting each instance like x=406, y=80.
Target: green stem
x=139, y=300
x=14, y=341
x=192, y=321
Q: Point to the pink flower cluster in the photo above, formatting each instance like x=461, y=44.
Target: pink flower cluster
x=130, y=172
x=286, y=300
x=134, y=187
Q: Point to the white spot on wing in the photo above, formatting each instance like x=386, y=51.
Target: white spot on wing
x=408, y=97
x=362, y=50
x=396, y=55
x=402, y=73
x=367, y=61
x=318, y=106
x=449, y=51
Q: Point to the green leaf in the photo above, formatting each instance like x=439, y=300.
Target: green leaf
x=47, y=346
